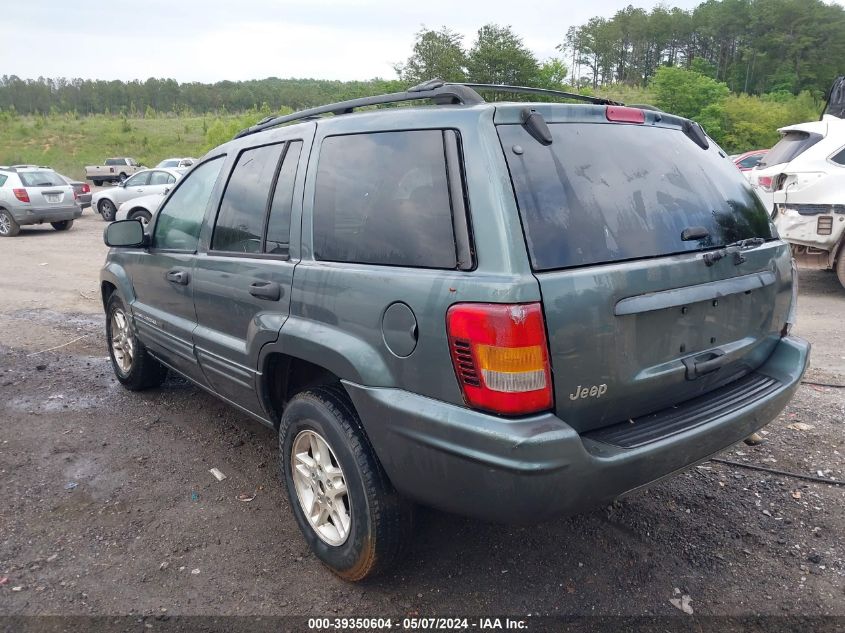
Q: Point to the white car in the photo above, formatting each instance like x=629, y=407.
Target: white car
x=806, y=182
x=141, y=209
x=179, y=164
x=144, y=183
x=794, y=142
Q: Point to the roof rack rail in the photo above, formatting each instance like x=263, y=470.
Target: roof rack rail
x=539, y=91
x=435, y=89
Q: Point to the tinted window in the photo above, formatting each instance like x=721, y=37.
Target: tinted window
x=139, y=180
x=160, y=178
x=790, y=146
x=750, y=162
x=839, y=157
x=278, y=226
x=179, y=221
x=41, y=179
x=240, y=222
x=604, y=193
x=383, y=199
x=3, y=179
x=115, y=161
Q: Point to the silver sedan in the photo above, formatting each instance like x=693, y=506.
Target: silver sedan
x=144, y=183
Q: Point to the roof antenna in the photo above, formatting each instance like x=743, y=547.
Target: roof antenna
x=535, y=125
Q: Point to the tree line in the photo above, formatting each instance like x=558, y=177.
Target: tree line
x=753, y=46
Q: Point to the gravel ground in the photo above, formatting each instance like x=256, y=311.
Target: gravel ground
x=109, y=507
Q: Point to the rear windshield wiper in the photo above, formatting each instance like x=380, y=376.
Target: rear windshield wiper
x=734, y=248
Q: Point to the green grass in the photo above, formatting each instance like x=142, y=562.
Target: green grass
x=67, y=143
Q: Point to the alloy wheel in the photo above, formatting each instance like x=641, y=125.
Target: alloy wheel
x=122, y=341
x=5, y=224
x=321, y=487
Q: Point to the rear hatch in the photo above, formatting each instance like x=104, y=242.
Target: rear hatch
x=46, y=189
x=637, y=320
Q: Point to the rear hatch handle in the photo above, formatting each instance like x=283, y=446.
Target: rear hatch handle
x=707, y=363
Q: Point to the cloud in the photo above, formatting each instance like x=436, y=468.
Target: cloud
x=205, y=40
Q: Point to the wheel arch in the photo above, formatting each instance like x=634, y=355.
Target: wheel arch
x=114, y=279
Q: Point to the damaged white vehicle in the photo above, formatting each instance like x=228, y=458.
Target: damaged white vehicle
x=808, y=190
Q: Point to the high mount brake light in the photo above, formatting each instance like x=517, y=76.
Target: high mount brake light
x=501, y=356
x=624, y=114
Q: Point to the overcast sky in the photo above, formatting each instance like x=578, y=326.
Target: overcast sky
x=211, y=40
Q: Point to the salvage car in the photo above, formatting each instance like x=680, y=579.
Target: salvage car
x=34, y=195
x=81, y=189
x=468, y=305
x=114, y=170
x=144, y=183
x=141, y=209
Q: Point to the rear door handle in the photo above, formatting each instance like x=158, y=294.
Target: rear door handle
x=706, y=363
x=269, y=290
x=180, y=277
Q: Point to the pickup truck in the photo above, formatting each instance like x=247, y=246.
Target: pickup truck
x=114, y=170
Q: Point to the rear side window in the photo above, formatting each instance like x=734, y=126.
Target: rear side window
x=41, y=179
x=160, y=178
x=606, y=193
x=790, y=146
x=240, y=222
x=3, y=179
x=278, y=225
x=838, y=157
x=383, y=198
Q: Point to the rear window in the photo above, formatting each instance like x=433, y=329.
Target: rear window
x=41, y=179
x=383, y=198
x=115, y=161
x=790, y=146
x=607, y=193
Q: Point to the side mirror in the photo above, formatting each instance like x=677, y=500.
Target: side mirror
x=122, y=183
x=166, y=190
x=125, y=234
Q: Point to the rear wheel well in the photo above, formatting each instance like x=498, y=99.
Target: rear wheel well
x=285, y=376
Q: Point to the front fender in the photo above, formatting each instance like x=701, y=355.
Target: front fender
x=115, y=274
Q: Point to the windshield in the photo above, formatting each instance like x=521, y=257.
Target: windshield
x=41, y=179
x=789, y=147
x=606, y=193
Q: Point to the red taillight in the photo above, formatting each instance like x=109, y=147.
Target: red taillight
x=501, y=357
x=21, y=194
x=623, y=114
x=765, y=183
x=86, y=188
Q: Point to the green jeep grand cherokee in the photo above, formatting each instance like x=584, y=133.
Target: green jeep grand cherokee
x=503, y=310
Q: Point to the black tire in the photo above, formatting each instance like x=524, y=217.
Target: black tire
x=840, y=266
x=9, y=227
x=107, y=209
x=381, y=520
x=140, y=214
x=64, y=225
x=98, y=183
x=144, y=371
x=122, y=177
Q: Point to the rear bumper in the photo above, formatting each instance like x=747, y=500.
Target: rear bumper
x=49, y=214
x=530, y=469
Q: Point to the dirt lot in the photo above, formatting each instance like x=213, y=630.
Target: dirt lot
x=109, y=508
